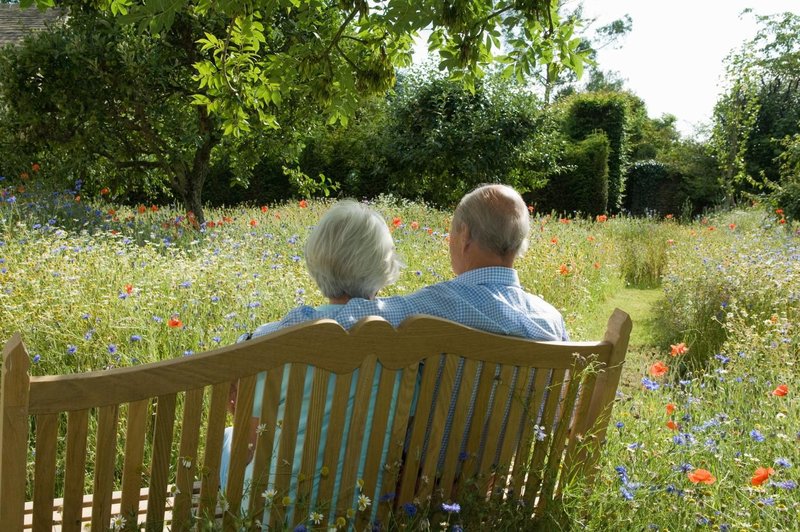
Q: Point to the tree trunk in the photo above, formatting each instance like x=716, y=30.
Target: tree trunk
x=189, y=181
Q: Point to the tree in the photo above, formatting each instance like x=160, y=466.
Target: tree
x=761, y=106
x=240, y=62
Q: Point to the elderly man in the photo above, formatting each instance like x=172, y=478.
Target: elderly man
x=489, y=231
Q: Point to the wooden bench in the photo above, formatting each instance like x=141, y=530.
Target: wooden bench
x=145, y=442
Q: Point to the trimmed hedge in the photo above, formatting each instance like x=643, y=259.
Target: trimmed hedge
x=607, y=112
x=582, y=187
x=654, y=188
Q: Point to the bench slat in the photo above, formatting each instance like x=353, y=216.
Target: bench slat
x=316, y=412
x=333, y=441
x=213, y=449
x=162, y=453
x=104, y=466
x=77, y=427
x=134, y=454
x=45, y=470
x=187, y=459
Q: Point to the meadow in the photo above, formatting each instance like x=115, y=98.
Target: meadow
x=706, y=429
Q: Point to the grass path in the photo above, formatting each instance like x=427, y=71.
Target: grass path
x=640, y=304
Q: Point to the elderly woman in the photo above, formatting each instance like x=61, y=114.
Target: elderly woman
x=349, y=254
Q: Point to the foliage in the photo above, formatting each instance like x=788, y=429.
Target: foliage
x=786, y=195
x=653, y=188
x=582, y=186
x=266, y=52
x=606, y=112
x=760, y=107
x=700, y=181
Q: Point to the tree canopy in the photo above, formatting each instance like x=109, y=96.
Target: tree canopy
x=332, y=52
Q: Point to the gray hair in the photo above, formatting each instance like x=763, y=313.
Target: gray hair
x=497, y=219
x=351, y=252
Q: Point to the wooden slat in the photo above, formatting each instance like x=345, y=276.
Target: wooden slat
x=333, y=442
x=527, y=438
x=134, y=455
x=323, y=343
x=106, y=455
x=457, y=429
x=440, y=413
x=75, y=469
x=502, y=391
x=557, y=446
x=377, y=441
x=215, y=428
x=239, y=452
x=162, y=453
x=394, y=455
x=268, y=423
x=187, y=458
x=14, y=426
x=513, y=432
x=478, y=421
x=45, y=471
x=578, y=423
x=308, y=464
x=291, y=417
x=355, y=436
x=408, y=480
x=541, y=447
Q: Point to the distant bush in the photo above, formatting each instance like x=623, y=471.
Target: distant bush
x=582, y=185
x=653, y=187
x=607, y=112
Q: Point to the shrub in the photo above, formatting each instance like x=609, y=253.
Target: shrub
x=583, y=184
x=606, y=112
x=652, y=187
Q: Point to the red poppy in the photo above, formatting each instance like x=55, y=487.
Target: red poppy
x=253, y=223
x=781, y=390
x=303, y=204
x=782, y=221
x=761, y=475
x=264, y=208
x=35, y=167
x=414, y=225
x=227, y=219
x=142, y=209
x=602, y=218
x=564, y=220
x=78, y=199
x=711, y=228
x=659, y=369
x=210, y=224
x=277, y=216
x=554, y=240
x=129, y=289
x=563, y=269
x=672, y=425
x=731, y=226
x=701, y=476
x=112, y=212
x=678, y=349
x=530, y=209
x=20, y=189
x=670, y=408
x=779, y=212
x=668, y=217
x=153, y=208
x=590, y=238
x=24, y=176
x=430, y=231
x=104, y=191
x=396, y=221
x=596, y=265
x=174, y=322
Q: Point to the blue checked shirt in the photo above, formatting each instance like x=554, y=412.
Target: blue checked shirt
x=489, y=299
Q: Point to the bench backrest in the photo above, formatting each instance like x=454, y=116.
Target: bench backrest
x=481, y=400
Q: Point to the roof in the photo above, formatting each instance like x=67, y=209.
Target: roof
x=16, y=23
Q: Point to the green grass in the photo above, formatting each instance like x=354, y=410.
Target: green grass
x=729, y=288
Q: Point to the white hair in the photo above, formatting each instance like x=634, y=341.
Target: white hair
x=351, y=252
x=497, y=219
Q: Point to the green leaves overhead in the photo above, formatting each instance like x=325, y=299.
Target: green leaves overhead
x=333, y=52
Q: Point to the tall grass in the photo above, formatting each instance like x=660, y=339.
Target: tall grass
x=93, y=285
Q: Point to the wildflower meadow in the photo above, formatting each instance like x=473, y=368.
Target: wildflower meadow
x=706, y=428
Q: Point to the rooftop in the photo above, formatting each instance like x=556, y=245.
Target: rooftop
x=16, y=23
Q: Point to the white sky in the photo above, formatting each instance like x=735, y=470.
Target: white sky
x=673, y=57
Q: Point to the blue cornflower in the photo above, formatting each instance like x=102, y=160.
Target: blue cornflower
x=36, y=358
x=386, y=497
x=627, y=495
x=623, y=473
x=296, y=258
x=188, y=353
x=722, y=358
x=650, y=385
x=112, y=349
x=300, y=291
x=186, y=284
x=158, y=319
x=619, y=424
x=767, y=501
x=457, y=528
x=136, y=338
x=702, y=521
x=85, y=316
x=783, y=462
x=254, y=304
x=217, y=339
x=123, y=295
x=214, y=299
x=410, y=509
x=785, y=484
x=292, y=239
x=71, y=349
x=462, y=456
x=451, y=508
x=300, y=528
x=756, y=436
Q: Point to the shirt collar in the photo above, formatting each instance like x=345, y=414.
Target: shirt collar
x=490, y=275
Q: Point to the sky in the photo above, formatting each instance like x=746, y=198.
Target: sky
x=673, y=57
